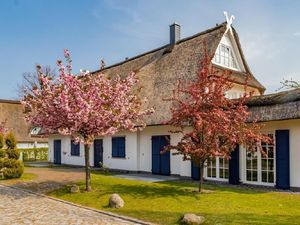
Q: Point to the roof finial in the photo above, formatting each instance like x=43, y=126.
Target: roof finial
x=229, y=20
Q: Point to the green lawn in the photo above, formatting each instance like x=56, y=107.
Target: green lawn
x=165, y=203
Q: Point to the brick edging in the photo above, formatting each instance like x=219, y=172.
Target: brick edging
x=129, y=219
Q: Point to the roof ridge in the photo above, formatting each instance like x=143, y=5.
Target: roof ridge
x=275, y=98
x=218, y=26
x=10, y=101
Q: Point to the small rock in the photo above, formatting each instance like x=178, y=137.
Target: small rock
x=74, y=189
x=192, y=219
x=115, y=201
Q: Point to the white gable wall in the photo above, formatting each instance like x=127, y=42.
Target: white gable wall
x=237, y=89
x=229, y=41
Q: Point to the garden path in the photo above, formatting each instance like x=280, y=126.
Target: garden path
x=18, y=207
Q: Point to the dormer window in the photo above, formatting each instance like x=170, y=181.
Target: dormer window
x=224, y=56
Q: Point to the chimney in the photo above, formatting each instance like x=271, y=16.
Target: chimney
x=174, y=33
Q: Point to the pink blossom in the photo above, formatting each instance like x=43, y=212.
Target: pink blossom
x=84, y=106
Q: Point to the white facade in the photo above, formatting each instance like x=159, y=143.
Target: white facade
x=139, y=153
x=294, y=127
x=139, y=145
x=66, y=157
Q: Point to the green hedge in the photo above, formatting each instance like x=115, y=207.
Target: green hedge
x=34, y=154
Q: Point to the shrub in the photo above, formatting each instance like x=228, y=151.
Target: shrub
x=13, y=153
x=1, y=163
x=10, y=140
x=11, y=168
x=2, y=153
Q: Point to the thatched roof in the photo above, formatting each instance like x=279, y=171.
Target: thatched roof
x=276, y=98
x=279, y=106
x=160, y=69
x=12, y=112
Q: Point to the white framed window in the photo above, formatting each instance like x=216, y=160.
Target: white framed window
x=211, y=168
x=217, y=168
x=223, y=168
x=251, y=166
x=224, y=56
x=260, y=168
x=268, y=162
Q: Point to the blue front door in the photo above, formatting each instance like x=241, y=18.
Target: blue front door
x=160, y=162
x=57, y=151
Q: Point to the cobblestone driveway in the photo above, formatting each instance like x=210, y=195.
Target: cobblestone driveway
x=18, y=207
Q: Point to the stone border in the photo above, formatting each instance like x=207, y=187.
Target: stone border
x=125, y=218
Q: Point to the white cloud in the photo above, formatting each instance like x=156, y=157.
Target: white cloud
x=297, y=34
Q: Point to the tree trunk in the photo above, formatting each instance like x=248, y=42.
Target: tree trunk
x=201, y=167
x=87, y=168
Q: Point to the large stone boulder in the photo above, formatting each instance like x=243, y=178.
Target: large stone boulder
x=192, y=219
x=74, y=189
x=115, y=201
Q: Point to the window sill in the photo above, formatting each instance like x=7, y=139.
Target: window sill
x=118, y=157
x=228, y=67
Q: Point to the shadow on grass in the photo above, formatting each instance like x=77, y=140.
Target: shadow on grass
x=134, y=190
x=240, y=189
x=166, y=217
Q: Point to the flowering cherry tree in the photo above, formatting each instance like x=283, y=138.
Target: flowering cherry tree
x=84, y=106
x=211, y=124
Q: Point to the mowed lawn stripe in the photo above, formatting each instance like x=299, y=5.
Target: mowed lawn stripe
x=165, y=202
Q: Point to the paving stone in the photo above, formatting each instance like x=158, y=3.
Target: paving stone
x=19, y=207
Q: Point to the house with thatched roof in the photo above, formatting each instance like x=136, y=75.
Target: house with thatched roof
x=11, y=113
x=158, y=71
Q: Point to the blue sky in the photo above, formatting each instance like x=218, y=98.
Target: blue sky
x=37, y=31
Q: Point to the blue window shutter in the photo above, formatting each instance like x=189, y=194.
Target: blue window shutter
x=195, y=170
x=114, y=147
x=72, y=148
x=122, y=147
x=75, y=149
x=234, y=167
x=282, y=159
x=118, y=147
